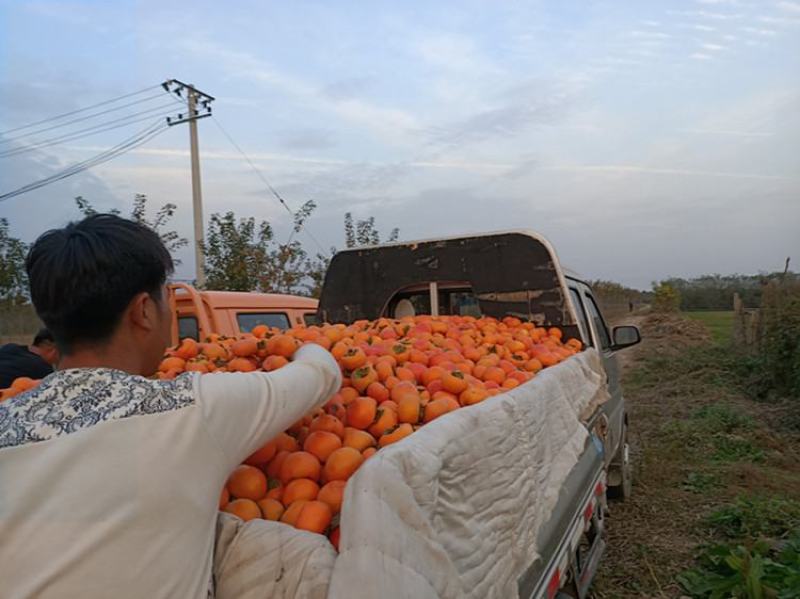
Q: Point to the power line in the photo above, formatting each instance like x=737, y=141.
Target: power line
x=253, y=166
x=89, y=131
x=269, y=186
x=70, y=113
x=199, y=106
x=83, y=118
x=130, y=143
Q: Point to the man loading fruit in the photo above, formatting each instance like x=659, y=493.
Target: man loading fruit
x=109, y=481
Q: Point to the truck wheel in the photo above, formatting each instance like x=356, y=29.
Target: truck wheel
x=621, y=471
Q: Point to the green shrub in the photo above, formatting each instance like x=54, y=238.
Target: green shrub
x=666, y=298
x=722, y=418
x=763, y=571
x=701, y=482
x=756, y=517
x=779, y=349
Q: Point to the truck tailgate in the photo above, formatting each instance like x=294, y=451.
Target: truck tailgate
x=458, y=508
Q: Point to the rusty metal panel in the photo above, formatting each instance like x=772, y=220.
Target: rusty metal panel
x=510, y=274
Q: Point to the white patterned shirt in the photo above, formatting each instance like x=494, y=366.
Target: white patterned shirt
x=109, y=482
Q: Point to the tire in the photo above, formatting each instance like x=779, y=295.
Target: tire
x=621, y=469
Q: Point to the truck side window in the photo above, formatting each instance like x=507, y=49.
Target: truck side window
x=583, y=325
x=187, y=327
x=249, y=320
x=599, y=323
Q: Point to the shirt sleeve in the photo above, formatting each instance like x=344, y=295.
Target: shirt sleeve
x=242, y=411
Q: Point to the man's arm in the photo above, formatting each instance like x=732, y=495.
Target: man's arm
x=245, y=410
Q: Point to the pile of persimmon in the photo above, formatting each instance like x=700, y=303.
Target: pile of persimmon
x=18, y=386
x=398, y=375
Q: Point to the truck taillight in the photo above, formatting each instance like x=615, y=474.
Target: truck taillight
x=588, y=511
x=554, y=584
x=599, y=488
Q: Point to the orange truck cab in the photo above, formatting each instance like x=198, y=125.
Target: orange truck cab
x=197, y=313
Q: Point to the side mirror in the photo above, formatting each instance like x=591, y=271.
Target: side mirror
x=625, y=336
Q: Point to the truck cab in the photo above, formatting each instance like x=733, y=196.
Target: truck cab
x=197, y=313
x=509, y=273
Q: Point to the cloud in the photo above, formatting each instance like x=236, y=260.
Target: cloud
x=780, y=21
x=307, y=139
x=32, y=213
x=210, y=154
x=615, y=60
x=704, y=14
x=453, y=52
x=729, y=132
x=652, y=35
x=699, y=27
x=91, y=17
x=392, y=125
x=700, y=56
x=649, y=170
x=348, y=89
x=534, y=103
x=713, y=47
x=760, y=31
x=793, y=7
x=301, y=161
x=25, y=101
x=463, y=165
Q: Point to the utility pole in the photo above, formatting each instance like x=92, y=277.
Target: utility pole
x=197, y=194
x=198, y=107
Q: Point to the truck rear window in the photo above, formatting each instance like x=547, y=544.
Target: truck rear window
x=249, y=320
x=187, y=327
x=452, y=302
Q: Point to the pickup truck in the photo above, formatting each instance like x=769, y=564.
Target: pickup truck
x=513, y=273
x=197, y=314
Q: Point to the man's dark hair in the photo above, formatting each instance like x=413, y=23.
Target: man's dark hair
x=83, y=276
x=43, y=336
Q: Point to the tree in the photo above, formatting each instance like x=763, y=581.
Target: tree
x=364, y=232
x=171, y=239
x=13, y=277
x=665, y=298
x=288, y=262
x=715, y=292
x=316, y=269
x=243, y=255
x=236, y=252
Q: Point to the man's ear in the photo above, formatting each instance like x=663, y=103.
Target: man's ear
x=142, y=312
x=53, y=355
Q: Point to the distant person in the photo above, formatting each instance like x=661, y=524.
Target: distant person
x=630, y=306
x=34, y=361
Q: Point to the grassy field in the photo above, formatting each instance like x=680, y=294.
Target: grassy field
x=720, y=324
x=715, y=511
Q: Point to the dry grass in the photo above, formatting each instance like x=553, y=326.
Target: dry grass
x=18, y=324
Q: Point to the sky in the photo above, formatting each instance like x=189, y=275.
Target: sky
x=644, y=139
